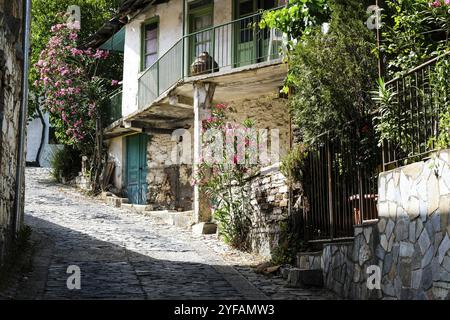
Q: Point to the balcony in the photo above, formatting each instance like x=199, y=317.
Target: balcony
x=114, y=111
x=239, y=45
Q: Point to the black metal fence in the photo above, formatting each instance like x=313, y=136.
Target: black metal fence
x=341, y=183
x=414, y=115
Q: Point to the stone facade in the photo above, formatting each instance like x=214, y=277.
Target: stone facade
x=269, y=199
x=169, y=182
x=410, y=242
x=414, y=205
x=11, y=65
x=268, y=112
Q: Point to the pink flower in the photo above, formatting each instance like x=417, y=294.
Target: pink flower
x=73, y=36
x=435, y=4
x=447, y=2
x=115, y=82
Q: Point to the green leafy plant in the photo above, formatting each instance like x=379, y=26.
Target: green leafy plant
x=290, y=243
x=292, y=164
x=223, y=175
x=65, y=163
x=332, y=73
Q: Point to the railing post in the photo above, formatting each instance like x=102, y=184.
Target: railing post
x=183, y=56
x=213, y=49
x=158, y=79
x=330, y=188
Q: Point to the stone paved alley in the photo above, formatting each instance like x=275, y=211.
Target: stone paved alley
x=127, y=255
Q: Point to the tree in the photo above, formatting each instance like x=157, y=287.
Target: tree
x=333, y=73
x=74, y=93
x=46, y=13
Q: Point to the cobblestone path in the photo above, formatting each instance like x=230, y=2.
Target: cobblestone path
x=125, y=255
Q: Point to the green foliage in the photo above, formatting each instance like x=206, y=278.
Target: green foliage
x=292, y=164
x=298, y=18
x=222, y=176
x=65, y=163
x=332, y=74
x=413, y=32
x=439, y=84
x=290, y=243
x=389, y=116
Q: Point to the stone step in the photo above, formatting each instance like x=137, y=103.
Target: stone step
x=304, y=278
x=309, y=260
x=204, y=228
x=182, y=219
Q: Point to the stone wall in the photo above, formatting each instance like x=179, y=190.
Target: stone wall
x=410, y=242
x=414, y=205
x=11, y=61
x=268, y=112
x=169, y=183
x=269, y=199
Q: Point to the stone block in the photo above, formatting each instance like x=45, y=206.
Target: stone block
x=406, y=249
x=433, y=194
x=424, y=241
x=401, y=230
x=389, y=228
x=444, y=247
x=303, y=278
x=416, y=278
x=204, y=228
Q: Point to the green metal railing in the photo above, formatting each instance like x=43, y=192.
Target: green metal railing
x=115, y=107
x=230, y=45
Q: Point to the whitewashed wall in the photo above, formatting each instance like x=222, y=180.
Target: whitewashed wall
x=116, y=152
x=34, y=134
x=170, y=31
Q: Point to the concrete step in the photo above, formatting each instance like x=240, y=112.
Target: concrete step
x=204, y=228
x=309, y=260
x=115, y=202
x=304, y=278
x=183, y=219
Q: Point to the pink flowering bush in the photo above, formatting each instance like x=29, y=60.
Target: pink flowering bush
x=230, y=157
x=74, y=94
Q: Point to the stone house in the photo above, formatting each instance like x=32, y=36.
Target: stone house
x=155, y=139
x=11, y=120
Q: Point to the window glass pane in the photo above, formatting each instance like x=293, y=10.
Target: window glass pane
x=151, y=34
x=151, y=46
x=267, y=4
x=150, y=59
x=245, y=7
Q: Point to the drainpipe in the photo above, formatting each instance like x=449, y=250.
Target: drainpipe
x=20, y=169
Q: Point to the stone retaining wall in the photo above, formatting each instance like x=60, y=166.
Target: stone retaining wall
x=269, y=196
x=11, y=60
x=410, y=243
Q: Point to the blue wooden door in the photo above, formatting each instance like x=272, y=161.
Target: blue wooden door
x=137, y=168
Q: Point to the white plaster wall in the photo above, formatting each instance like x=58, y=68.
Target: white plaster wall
x=170, y=31
x=116, y=152
x=34, y=134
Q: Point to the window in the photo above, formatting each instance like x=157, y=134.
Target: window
x=150, y=44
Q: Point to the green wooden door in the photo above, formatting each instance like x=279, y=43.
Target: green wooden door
x=137, y=168
x=251, y=43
